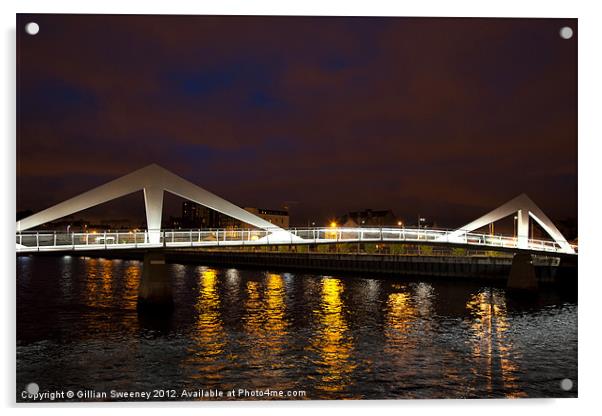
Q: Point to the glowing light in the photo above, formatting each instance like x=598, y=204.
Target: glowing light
x=332, y=342
x=333, y=224
x=489, y=325
x=206, y=354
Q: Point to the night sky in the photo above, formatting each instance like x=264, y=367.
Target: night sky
x=447, y=118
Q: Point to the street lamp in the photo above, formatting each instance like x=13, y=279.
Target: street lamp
x=420, y=220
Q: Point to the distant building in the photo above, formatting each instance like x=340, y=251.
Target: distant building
x=174, y=223
x=279, y=218
x=199, y=216
x=368, y=217
x=190, y=214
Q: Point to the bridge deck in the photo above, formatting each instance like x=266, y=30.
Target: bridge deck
x=112, y=240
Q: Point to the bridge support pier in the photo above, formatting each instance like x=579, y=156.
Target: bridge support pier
x=522, y=274
x=155, y=291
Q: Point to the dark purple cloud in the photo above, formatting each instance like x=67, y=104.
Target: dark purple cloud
x=446, y=117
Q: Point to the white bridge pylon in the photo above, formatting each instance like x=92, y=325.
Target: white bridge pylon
x=524, y=208
x=153, y=180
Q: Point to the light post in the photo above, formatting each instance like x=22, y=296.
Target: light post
x=420, y=220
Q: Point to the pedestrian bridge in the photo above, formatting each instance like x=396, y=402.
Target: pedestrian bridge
x=44, y=241
x=154, y=180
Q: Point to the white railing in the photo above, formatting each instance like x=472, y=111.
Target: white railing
x=123, y=239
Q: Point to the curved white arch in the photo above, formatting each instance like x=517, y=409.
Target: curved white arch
x=153, y=180
x=525, y=208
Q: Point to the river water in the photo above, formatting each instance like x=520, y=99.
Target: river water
x=309, y=336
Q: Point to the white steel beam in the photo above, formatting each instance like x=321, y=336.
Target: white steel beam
x=153, y=203
x=524, y=207
x=154, y=180
x=522, y=228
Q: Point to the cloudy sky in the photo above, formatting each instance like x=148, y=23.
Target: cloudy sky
x=443, y=117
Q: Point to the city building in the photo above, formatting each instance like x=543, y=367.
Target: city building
x=279, y=218
x=191, y=214
x=198, y=216
x=369, y=217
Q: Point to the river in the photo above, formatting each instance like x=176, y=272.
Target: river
x=309, y=336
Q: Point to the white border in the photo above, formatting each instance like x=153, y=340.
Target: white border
x=590, y=135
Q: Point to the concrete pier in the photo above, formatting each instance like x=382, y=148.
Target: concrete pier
x=155, y=290
x=522, y=273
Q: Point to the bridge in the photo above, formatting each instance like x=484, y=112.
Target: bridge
x=154, y=180
x=28, y=242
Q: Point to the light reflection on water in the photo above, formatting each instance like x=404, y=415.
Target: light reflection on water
x=209, y=338
x=332, y=340
x=493, y=352
x=333, y=336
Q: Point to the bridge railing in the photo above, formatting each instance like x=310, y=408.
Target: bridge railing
x=54, y=240
x=63, y=240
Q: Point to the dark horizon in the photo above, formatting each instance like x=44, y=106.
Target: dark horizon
x=443, y=117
